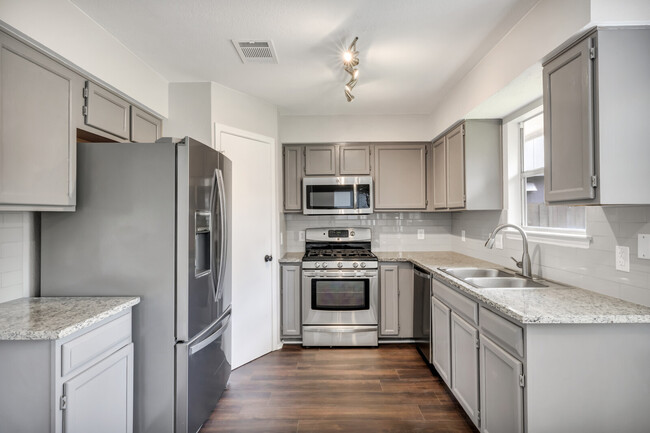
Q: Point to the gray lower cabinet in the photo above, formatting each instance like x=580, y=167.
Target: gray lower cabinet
x=38, y=99
x=293, y=172
x=440, y=339
x=145, y=128
x=467, y=167
x=464, y=366
x=106, y=111
x=502, y=395
x=595, y=106
x=76, y=384
x=396, y=301
x=400, y=176
x=291, y=289
x=320, y=160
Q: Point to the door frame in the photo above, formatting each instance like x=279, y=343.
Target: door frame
x=220, y=129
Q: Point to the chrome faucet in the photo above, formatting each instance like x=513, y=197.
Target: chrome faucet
x=524, y=264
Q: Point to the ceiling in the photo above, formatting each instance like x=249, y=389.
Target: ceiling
x=411, y=51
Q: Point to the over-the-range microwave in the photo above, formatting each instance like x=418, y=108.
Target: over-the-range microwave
x=332, y=195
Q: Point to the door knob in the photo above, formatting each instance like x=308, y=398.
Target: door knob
x=268, y=258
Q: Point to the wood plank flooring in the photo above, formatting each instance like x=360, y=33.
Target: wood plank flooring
x=383, y=390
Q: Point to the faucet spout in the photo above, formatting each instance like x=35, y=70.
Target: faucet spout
x=525, y=258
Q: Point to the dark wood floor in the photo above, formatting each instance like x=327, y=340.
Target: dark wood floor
x=382, y=390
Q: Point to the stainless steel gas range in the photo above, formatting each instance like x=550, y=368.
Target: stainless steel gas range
x=339, y=288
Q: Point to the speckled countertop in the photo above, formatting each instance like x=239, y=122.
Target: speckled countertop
x=555, y=304
x=54, y=318
x=292, y=258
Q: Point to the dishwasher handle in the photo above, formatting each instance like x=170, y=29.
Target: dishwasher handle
x=421, y=274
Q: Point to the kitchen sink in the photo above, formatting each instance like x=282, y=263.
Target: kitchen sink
x=462, y=273
x=503, y=283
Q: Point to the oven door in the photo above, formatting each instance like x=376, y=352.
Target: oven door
x=339, y=297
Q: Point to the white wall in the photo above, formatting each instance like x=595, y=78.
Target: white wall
x=323, y=129
x=64, y=29
x=190, y=111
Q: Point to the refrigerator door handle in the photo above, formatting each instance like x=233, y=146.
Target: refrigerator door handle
x=225, y=319
x=223, y=235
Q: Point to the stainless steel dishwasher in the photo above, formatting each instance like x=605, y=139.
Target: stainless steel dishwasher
x=422, y=311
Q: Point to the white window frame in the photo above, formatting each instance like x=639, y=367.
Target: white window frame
x=515, y=188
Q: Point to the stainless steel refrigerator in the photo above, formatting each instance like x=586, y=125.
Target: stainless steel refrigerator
x=152, y=220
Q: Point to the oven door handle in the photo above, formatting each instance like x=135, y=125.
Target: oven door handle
x=336, y=330
x=358, y=274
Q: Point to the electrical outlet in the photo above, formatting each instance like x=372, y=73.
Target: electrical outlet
x=301, y=235
x=644, y=246
x=498, y=242
x=462, y=235
x=420, y=234
x=622, y=258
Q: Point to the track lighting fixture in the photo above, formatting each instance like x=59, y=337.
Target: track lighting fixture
x=350, y=62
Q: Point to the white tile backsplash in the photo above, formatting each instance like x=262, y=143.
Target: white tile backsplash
x=18, y=255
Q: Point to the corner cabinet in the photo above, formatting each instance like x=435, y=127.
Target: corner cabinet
x=467, y=167
x=38, y=99
x=291, y=305
x=77, y=384
x=596, y=105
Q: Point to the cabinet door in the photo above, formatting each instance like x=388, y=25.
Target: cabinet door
x=502, y=397
x=291, y=323
x=568, y=125
x=293, y=171
x=389, y=293
x=145, y=128
x=107, y=111
x=354, y=159
x=101, y=398
x=464, y=365
x=38, y=101
x=320, y=160
x=455, y=142
x=400, y=176
x=440, y=174
x=440, y=339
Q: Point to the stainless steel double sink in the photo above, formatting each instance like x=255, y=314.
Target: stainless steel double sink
x=487, y=278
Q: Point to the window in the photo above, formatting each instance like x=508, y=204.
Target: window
x=535, y=213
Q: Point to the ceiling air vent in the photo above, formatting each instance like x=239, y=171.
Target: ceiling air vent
x=255, y=51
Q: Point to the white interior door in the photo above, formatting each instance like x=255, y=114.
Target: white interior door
x=252, y=239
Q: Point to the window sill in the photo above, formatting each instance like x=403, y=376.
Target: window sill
x=571, y=239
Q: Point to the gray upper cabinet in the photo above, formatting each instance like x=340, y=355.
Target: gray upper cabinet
x=389, y=300
x=293, y=172
x=467, y=166
x=320, y=160
x=106, y=111
x=595, y=106
x=37, y=129
x=354, y=160
x=400, y=174
x=145, y=128
x=502, y=396
x=291, y=318
x=464, y=366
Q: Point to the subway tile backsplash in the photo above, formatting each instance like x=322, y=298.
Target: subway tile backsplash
x=390, y=231
x=11, y=255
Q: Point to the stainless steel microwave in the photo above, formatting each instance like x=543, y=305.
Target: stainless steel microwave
x=350, y=195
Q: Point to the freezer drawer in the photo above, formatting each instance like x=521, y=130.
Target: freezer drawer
x=202, y=371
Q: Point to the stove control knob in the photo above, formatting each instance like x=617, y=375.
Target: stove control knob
x=355, y=265
x=325, y=264
x=352, y=233
x=340, y=264
x=363, y=264
x=317, y=265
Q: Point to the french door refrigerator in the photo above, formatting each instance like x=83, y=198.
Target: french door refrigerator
x=152, y=220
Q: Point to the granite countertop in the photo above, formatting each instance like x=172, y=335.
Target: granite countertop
x=557, y=303
x=51, y=318
x=292, y=258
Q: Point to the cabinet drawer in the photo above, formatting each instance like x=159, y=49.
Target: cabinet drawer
x=462, y=305
x=91, y=345
x=507, y=334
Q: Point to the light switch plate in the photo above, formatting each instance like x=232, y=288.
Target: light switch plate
x=462, y=235
x=644, y=246
x=420, y=234
x=622, y=258
x=301, y=235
